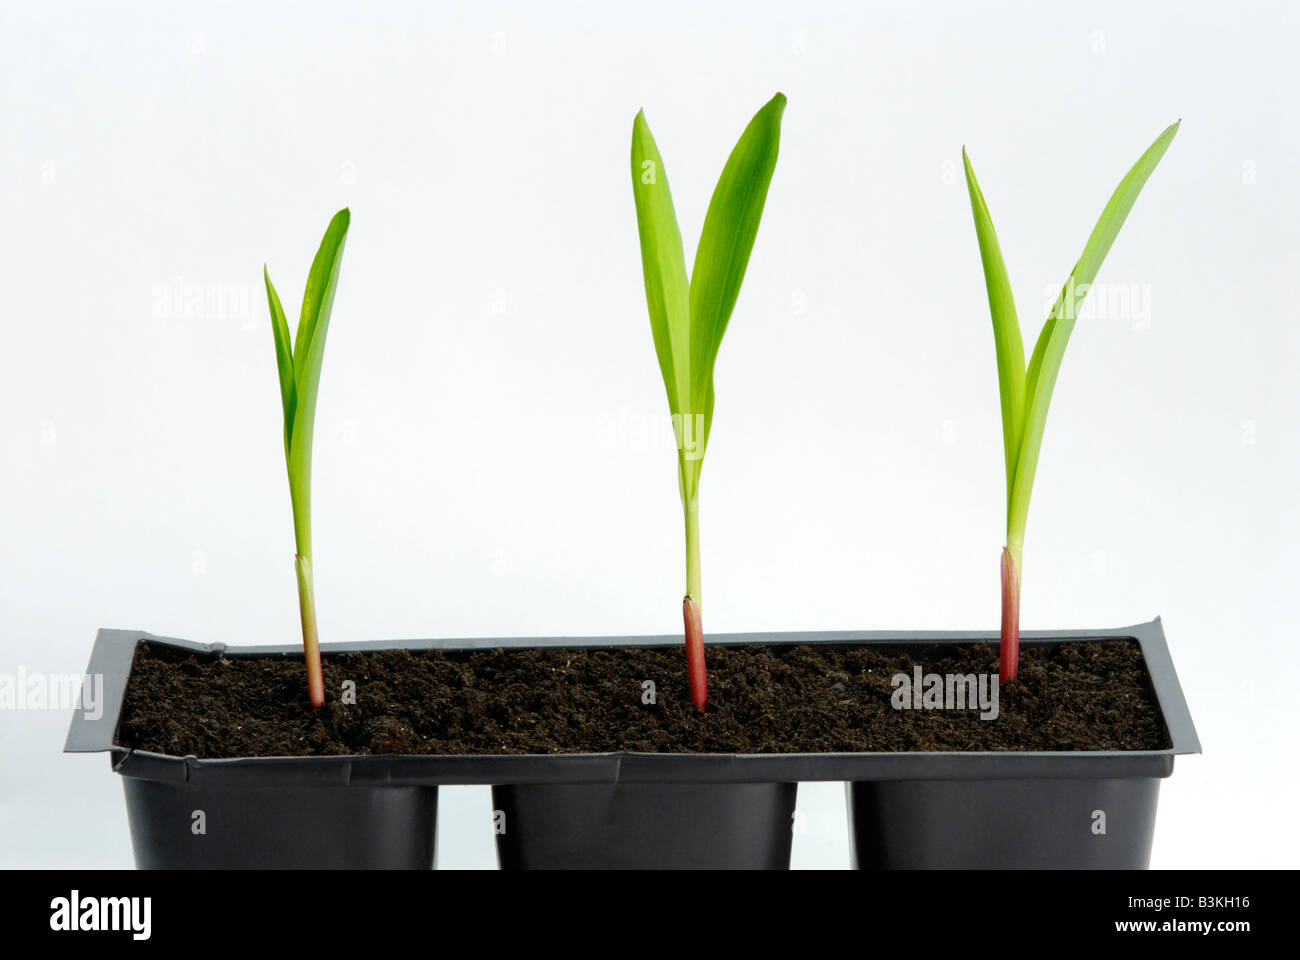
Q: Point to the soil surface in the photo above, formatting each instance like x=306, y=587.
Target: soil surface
x=762, y=699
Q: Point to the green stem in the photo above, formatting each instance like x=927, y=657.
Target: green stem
x=1016, y=546
x=310, y=640
x=300, y=502
x=692, y=509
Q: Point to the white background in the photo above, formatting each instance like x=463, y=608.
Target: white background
x=482, y=467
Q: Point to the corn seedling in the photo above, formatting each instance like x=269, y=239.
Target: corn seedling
x=688, y=318
x=299, y=364
x=1026, y=393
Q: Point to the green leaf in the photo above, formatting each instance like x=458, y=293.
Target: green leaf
x=299, y=368
x=318, y=298
x=1117, y=210
x=663, y=265
x=688, y=318
x=283, y=358
x=1045, y=363
x=726, y=242
x=308, y=354
x=1006, y=328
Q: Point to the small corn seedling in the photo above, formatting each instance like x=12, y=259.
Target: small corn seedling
x=1026, y=394
x=299, y=364
x=688, y=318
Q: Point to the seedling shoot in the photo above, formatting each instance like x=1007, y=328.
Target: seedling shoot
x=1027, y=393
x=299, y=365
x=689, y=317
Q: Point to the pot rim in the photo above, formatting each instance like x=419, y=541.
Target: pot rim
x=114, y=650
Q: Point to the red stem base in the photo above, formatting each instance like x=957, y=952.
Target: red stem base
x=310, y=643
x=695, y=652
x=1009, y=650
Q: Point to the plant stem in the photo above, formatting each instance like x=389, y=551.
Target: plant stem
x=310, y=641
x=1009, y=648
x=692, y=615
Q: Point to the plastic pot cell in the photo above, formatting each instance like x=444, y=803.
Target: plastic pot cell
x=665, y=826
x=1076, y=810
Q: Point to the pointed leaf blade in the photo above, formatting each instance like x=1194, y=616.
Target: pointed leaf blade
x=283, y=358
x=1006, y=328
x=1094, y=252
x=1050, y=349
x=663, y=264
x=726, y=242
x=308, y=355
x=318, y=298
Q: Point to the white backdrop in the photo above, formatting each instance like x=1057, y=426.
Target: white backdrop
x=482, y=466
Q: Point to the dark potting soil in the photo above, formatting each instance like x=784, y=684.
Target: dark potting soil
x=762, y=699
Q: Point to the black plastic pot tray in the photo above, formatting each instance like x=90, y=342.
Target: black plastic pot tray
x=114, y=650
